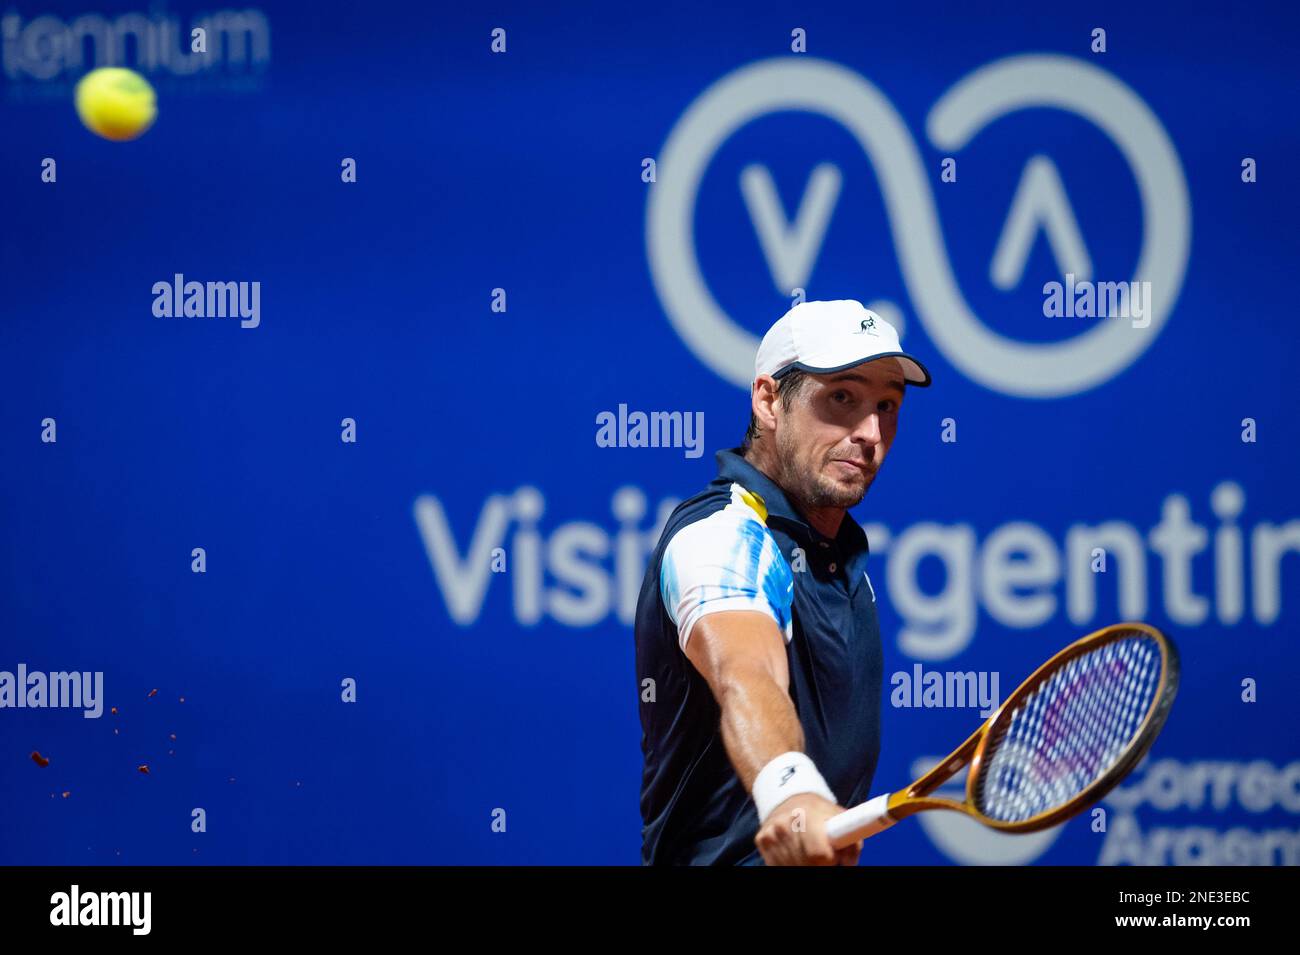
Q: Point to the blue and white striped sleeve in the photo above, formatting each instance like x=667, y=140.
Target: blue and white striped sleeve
x=727, y=561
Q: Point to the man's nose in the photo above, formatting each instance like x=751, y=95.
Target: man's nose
x=868, y=430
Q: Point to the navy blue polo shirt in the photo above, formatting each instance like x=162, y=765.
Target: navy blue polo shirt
x=743, y=546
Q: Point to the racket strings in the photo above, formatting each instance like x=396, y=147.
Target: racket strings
x=1070, y=730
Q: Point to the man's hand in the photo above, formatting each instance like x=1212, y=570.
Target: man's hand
x=795, y=834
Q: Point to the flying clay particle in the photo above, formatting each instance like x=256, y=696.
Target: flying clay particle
x=39, y=760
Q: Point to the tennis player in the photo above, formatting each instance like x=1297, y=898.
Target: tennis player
x=757, y=621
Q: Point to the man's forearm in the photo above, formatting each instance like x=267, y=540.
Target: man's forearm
x=759, y=723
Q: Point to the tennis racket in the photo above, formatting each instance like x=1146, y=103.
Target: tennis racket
x=1060, y=742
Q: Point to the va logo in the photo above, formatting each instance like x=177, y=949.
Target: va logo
x=995, y=361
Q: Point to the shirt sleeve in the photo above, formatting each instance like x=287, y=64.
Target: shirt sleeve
x=727, y=561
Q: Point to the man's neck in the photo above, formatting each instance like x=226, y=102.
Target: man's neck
x=825, y=520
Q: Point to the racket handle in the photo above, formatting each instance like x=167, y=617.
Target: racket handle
x=859, y=822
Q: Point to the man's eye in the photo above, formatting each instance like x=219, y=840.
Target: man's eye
x=841, y=397
x=886, y=406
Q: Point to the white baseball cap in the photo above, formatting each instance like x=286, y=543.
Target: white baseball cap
x=822, y=337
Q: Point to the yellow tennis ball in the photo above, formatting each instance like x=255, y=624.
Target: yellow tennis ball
x=116, y=103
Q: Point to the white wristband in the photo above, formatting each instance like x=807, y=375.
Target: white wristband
x=788, y=775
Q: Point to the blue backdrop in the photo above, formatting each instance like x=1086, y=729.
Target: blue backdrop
x=609, y=212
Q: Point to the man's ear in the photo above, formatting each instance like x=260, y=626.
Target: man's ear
x=763, y=401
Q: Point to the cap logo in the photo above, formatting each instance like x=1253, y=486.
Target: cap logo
x=868, y=325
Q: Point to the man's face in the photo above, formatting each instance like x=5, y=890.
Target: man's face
x=834, y=435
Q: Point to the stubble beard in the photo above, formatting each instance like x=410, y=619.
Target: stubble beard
x=815, y=489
